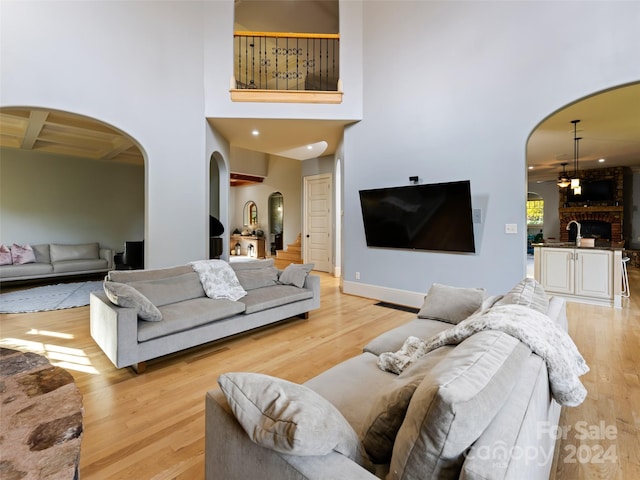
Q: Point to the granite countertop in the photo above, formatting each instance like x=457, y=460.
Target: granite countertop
x=573, y=245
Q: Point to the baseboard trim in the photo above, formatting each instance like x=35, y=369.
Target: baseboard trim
x=385, y=294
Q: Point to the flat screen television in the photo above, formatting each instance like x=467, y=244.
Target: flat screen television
x=594, y=191
x=435, y=216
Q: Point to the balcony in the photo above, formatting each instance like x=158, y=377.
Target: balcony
x=286, y=68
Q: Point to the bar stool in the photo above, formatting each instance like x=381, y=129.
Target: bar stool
x=625, y=278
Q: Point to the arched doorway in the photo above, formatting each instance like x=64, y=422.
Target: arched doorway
x=276, y=222
x=92, y=173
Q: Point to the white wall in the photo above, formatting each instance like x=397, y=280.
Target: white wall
x=47, y=198
x=452, y=91
x=446, y=91
x=139, y=67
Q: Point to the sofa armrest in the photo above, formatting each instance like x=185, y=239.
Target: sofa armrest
x=114, y=329
x=312, y=282
x=231, y=455
x=107, y=254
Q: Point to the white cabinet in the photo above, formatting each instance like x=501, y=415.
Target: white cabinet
x=579, y=273
x=593, y=271
x=557, y=270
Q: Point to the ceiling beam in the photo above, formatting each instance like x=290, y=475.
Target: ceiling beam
x=34, y=127
x=120, y=144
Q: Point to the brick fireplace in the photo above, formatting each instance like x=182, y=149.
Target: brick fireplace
x=607, y=214
x=598, y=219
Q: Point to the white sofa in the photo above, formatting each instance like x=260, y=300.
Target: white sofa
x=60, y=260
x=185, y=316
x=478, y=410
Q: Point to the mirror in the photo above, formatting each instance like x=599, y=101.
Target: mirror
x=276, y=216
x=250, y=215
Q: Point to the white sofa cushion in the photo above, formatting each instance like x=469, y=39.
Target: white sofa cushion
x=81, y=251
x=163, y=291
x=188, y=314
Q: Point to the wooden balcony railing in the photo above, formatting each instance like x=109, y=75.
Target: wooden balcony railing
x=286, y=67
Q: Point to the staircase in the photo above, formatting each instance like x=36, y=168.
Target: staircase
x=293, y=254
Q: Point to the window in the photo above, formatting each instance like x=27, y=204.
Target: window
x=535, y=213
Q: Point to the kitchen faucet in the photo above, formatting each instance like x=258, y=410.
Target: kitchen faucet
x=578, y=236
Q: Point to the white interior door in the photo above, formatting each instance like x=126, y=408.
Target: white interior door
x=317, y=222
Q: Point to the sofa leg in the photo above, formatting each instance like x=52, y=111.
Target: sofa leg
x=304, y=315
x=139, y=367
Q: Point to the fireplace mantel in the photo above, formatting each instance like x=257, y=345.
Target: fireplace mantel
x=591, y=209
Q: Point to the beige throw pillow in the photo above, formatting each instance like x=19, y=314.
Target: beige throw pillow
x=451, y=304
x=289, y=418
x=125, y=295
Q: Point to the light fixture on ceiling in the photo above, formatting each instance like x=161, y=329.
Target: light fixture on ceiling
x=563, y=179
x=575, y=180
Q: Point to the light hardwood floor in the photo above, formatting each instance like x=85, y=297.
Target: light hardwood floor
x=151, y=426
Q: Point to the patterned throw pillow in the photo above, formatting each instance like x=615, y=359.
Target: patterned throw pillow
x=21, y=254
x=218, y=279
x=5, y=255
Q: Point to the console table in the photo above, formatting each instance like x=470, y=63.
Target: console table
x=244, y=241
x=41, y=418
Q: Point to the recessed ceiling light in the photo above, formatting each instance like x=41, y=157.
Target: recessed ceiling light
x=530, y=167
x=255, y=133
x=601, y=160
x=309, y=147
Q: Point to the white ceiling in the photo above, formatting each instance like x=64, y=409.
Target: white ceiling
x=609, y=128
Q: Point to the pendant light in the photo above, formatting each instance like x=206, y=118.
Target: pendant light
x=563, y=179
x=575, y=180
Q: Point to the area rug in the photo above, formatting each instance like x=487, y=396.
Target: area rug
x=49, y=297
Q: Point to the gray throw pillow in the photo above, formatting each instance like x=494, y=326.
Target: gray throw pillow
x=125, y=295
x=451, y=304
x=295, y=274
x=527, y=292
x=453, y=405
x=289, y=418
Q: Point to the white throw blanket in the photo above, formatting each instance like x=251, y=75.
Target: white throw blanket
x=536, y=330
x=218, y=279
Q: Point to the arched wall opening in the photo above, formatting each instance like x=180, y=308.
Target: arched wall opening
x=218, y=206
x=609, y=148
x=69, y=178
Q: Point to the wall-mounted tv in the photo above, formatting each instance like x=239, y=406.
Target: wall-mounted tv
x=435, y=216
x=594, y=191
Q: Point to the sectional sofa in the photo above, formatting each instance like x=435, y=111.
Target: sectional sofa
x=54, y=260
x=144, y=314
x=481, y=409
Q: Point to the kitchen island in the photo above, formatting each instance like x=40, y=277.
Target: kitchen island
x=580, y=274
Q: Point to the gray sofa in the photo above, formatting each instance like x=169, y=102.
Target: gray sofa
x=187, y=316
x=482, y=409
x=60, y=260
